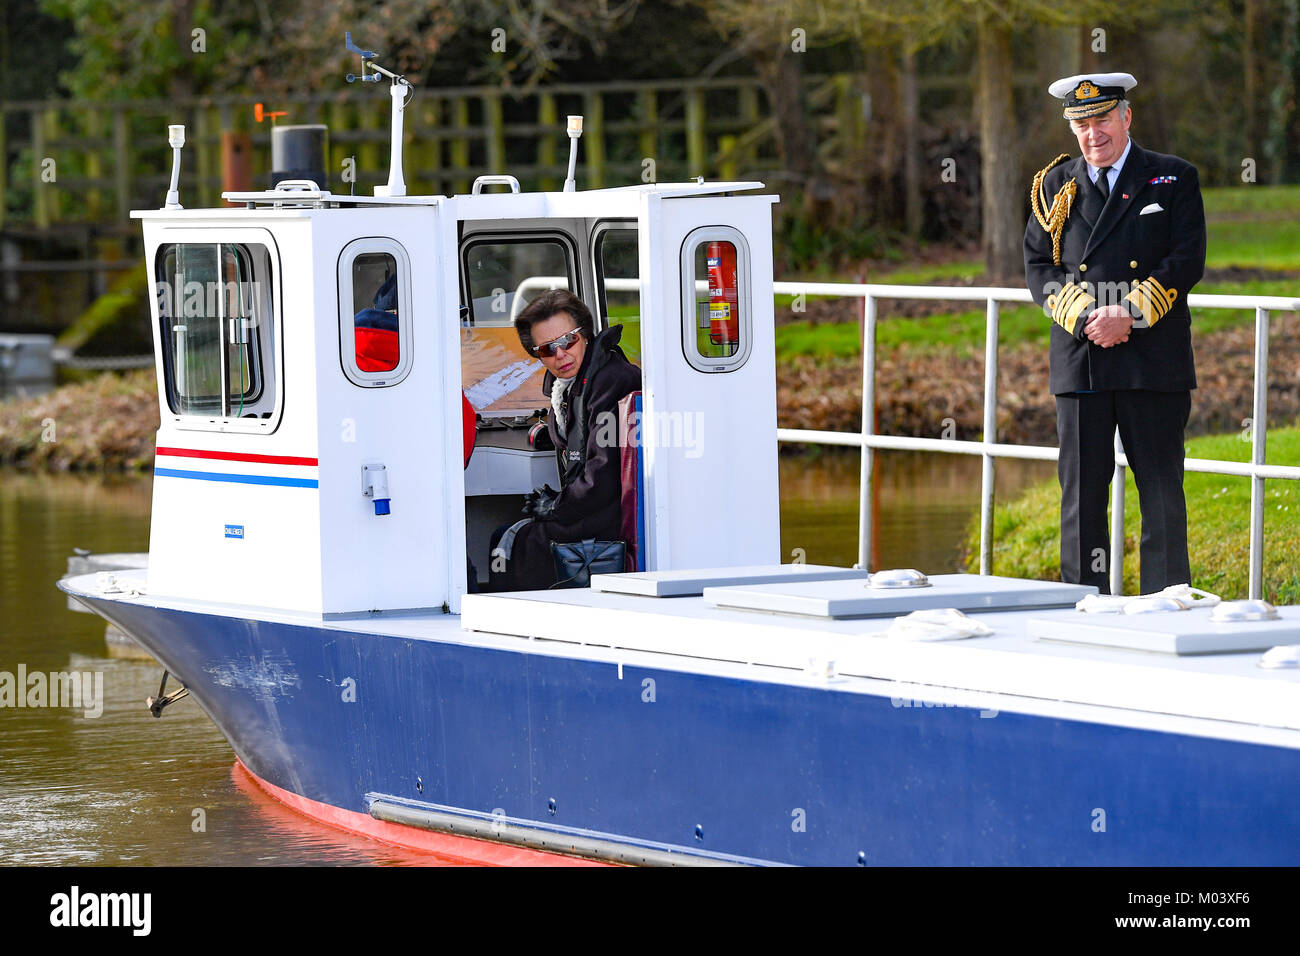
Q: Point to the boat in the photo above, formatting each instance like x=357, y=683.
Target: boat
x=308, y=583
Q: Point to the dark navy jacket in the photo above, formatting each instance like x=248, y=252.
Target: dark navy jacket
x=589, y=504
x=1116, y=254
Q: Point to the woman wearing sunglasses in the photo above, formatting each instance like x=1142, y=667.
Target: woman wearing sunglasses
x=586, y=376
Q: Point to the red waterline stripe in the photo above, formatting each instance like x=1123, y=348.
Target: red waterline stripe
x=468, y=849
x=238, y=456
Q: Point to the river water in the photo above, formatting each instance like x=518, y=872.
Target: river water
x=123, y=788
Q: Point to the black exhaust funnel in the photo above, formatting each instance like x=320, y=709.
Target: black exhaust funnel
x=298, y=152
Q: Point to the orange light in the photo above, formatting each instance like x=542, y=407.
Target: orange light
x=260, y=113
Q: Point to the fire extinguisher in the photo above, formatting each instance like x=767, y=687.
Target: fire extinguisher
x=724, y=311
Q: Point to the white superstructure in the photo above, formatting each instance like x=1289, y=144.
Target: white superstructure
x=269, y=487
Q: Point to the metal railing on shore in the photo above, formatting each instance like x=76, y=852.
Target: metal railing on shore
x=990, y=450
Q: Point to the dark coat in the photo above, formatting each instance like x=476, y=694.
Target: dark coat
x=589, y=504
x=1114, y=254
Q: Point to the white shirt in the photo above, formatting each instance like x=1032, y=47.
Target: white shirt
x=1114, y=170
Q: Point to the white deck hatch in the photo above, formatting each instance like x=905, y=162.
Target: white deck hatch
x=1168, y=632
x=692, y=582
x=842, y=599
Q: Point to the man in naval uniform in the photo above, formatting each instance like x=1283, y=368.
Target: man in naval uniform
x=1115, y=243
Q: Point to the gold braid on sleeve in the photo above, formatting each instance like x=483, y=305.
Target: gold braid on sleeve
x=1052, y=219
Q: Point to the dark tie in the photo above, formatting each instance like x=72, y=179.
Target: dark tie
x=1103, y=182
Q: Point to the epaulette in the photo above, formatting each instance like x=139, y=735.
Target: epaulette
x=1052, y=218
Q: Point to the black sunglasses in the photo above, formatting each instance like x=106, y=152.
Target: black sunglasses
x=548, y=349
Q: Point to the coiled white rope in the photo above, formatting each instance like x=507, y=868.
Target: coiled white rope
x=1176, y=597
x=936, y=624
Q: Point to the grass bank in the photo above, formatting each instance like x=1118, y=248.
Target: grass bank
x=106, y=424
x=1026, y=531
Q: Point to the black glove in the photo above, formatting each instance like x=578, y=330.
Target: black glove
x=540, y=502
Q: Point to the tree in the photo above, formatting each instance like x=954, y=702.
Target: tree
x=764, y=33
x=993, y=24
x=31, y=41
x=546, y=34
x=180, y=48
x=134, y=48
x=1282, y=105
x=1003, y=223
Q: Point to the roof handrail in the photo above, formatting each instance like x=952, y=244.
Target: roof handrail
x=481, y=181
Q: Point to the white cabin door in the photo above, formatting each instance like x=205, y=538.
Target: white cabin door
x=708, y=362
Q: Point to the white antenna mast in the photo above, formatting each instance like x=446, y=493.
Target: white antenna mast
x=575, y=133
x=176, y=138
x=401, y=91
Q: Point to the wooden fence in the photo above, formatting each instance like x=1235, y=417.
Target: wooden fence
x=92, y=162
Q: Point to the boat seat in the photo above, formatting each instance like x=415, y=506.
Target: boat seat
x=632, y=479
x=469, y=426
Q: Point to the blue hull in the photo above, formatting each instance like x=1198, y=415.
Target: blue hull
x=766, y=771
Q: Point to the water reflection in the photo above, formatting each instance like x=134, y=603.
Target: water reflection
x=924, y=503
x=121, y=788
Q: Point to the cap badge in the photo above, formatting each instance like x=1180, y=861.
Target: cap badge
x=1085, y=91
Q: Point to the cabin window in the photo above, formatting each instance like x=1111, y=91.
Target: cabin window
x=716, y=313
x=214, y=305
x=374, y=312
x=616, y=250
x=505, y=274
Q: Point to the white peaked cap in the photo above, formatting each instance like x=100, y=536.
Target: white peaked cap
x=1062, y=87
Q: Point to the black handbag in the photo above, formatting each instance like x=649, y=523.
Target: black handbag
x=577, y=561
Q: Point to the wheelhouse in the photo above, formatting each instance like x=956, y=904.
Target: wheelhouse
x=312, y=351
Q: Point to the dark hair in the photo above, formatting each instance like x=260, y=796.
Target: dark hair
x=548, y=304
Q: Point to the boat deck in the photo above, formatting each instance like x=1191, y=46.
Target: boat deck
x=1224, y=695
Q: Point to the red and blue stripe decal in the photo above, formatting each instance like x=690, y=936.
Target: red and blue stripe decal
x=286, y=481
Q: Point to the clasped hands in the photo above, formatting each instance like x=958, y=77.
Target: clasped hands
x=1108, y=326
x=540, y=502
